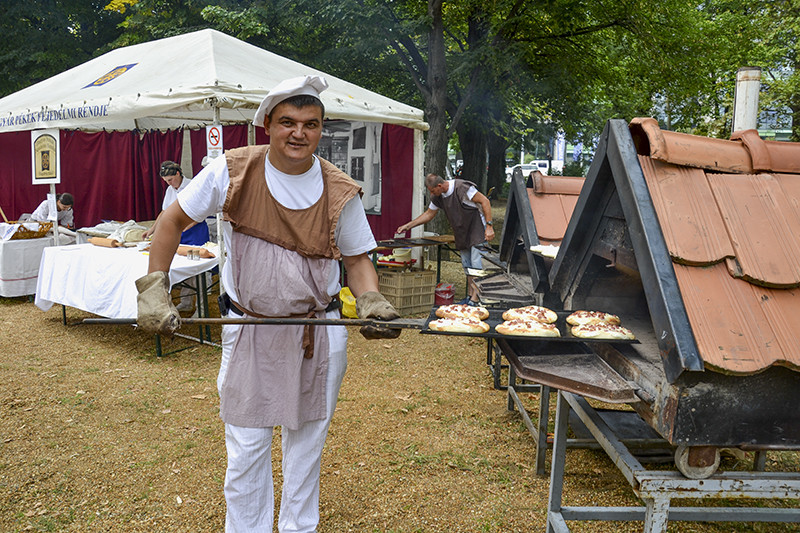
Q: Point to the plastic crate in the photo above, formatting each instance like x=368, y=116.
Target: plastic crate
x=410, y=291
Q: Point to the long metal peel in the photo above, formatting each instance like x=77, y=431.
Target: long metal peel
x=407, y=323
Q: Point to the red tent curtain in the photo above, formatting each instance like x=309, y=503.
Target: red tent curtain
x=96, y=168
x=113, y=175
x=17, y=194
x=149, y=151
x=397, y=175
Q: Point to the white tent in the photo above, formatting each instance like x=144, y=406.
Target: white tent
x=190, y=81
x=181, y=81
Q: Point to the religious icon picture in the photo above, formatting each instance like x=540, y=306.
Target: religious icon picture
x=46, y=167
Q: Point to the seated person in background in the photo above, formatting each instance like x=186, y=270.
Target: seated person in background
x=195, y=234
x=64, y=203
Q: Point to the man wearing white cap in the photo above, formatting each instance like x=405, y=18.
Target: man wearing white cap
x=289, y=216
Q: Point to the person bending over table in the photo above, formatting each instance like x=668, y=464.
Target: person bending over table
x=470, y=215
x=289, y=216
x=64, y=203
x=195, y=234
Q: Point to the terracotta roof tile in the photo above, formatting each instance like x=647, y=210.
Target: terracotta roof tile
x=763, y=225
x=568, y=185
x=730, y=215
x=551, y=213
x=694, y=233
x=685, y=150
x=746, y=153
x=553, y=200
x=769, y=156
x=739, y=327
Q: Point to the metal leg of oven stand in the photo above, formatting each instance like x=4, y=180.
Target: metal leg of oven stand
x=438, y=264
x=539, y=430
x=555, y=518
x=494, y=360
x=656, y=488
x=656, y=514
x=760, y=462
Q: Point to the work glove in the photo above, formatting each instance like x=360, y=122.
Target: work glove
x=156, y=312
x=373, y=305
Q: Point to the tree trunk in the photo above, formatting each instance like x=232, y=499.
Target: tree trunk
x=497, y=163
x=436, y=101
x=473, y=148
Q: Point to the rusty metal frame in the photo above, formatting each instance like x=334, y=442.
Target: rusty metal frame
x=658, y=488
x=538, y=428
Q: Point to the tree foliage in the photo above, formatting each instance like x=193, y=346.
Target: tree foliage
x=490, y=73
x=44, y=37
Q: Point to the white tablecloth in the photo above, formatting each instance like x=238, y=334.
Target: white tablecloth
x=102, y=280
x=19, y=265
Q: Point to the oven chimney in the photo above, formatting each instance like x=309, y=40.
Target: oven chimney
x=745, y=98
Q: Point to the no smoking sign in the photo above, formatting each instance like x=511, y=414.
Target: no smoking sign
x=213, y=141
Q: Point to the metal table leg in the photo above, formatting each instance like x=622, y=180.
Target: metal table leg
x=202, y=305
x=541, y=429
x=656, y=512
x=438, y=264
x=555, y=520
x=494, y=359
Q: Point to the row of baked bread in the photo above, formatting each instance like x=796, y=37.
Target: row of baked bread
x=531, y=321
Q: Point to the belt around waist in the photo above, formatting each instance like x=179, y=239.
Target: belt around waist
x=226, y=306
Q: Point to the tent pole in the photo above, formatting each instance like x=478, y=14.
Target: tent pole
x=220, y=231
x=55, y=224
x=417, y=186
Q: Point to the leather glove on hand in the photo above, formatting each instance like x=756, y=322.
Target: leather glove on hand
x=373, y=305
x=156, y=312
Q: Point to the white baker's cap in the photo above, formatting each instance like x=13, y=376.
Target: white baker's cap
x=310, y=85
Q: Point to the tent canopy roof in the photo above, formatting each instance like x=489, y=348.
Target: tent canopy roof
x=178, y=81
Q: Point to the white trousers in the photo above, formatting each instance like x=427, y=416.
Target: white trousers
x=249, y=488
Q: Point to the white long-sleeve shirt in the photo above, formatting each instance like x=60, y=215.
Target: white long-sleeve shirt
x=42, y=214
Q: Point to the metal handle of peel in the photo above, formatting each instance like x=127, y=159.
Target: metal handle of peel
x=393, y=324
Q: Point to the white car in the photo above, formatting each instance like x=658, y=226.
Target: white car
x=526, y=168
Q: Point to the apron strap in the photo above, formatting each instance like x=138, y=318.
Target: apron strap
x=308, y=329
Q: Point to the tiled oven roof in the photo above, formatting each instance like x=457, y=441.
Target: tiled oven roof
x=552, y=200
x=729, y=212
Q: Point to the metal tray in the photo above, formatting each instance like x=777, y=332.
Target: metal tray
x=496, y=317
x=403, y=242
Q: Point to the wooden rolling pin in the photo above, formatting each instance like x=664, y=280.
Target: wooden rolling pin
x=104, y=242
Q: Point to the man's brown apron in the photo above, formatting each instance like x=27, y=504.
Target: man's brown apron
x=281, y=261
x=468, y=228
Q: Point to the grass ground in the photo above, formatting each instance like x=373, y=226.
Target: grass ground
x=97, y=434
